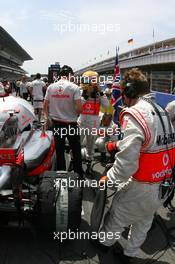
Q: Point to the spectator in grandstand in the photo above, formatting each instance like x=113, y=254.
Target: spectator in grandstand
x=37, y=92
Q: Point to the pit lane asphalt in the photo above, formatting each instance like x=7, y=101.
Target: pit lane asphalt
x=25, y=246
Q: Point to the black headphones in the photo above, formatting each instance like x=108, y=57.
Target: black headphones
x=130, y=90
x=134, y=89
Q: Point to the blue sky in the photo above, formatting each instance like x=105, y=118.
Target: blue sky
x=76, y=32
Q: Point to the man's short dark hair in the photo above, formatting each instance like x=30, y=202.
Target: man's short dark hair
x=38, y=76
x=66, y=71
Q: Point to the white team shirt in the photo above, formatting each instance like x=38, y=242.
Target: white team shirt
x=23, y=87
x=61, y=96
x=37, y=89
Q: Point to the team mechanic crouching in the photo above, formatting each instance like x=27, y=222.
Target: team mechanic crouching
x=63, y=105
x=143, y=161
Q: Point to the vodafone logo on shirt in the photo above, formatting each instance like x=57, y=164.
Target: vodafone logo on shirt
x=60, y=90
x=165, y=159
x=88, y=106
x=60, y=94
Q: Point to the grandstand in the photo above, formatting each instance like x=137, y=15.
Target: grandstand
x=12, y=57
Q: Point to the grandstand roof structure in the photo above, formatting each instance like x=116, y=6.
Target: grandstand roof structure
x=12, y=57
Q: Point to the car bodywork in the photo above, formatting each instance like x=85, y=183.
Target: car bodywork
x=26, y=152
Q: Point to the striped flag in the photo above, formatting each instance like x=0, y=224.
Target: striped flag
x=116, y=98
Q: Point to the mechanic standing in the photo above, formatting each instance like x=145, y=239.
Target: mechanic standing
x=63, y=105
x=143, y=165
x=37, y=88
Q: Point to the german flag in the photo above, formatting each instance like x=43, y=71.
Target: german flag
x=130, y=41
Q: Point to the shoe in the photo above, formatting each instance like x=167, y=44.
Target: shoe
x=100, y=246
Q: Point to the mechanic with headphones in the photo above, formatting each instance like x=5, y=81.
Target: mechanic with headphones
x=143, y=162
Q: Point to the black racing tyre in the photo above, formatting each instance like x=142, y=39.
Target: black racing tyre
x=98, y=210
x=45, y=208
x=58, y=209
x=74, y=205
x=3, y=220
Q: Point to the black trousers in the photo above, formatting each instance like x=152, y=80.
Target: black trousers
x=74, y=142
x=25, y=96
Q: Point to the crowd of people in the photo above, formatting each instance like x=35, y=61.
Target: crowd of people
x=144, y=154
x=92, y=101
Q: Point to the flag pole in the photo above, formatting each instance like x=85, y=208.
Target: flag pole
x=116, y=98
x=154, y=41
x=131, y=41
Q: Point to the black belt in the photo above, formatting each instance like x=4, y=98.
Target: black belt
x=38, y=100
